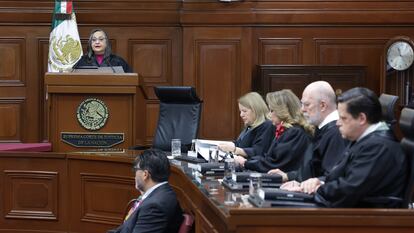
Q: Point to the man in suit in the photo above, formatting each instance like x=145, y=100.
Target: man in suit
x=373, y=170
x=319, y=108
x=157, y=209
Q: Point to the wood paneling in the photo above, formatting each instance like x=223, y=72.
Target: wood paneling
x=11, y=111
x=218, y=65
x=12, y=61
x=296, y=77
x=280, y=51
x=31, y=194
x=210, y=45
x=109, y=188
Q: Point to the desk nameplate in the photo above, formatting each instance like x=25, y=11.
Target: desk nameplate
x=96, y=140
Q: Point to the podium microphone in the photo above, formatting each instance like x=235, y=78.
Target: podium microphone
x=110, y=65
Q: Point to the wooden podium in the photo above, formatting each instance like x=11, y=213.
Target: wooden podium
x=91, y=110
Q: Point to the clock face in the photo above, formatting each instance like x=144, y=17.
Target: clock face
x=400, y=55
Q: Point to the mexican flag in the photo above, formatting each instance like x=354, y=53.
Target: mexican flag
x=65, y=48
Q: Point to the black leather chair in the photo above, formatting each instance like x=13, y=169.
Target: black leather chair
x=179, y=117
x=388, y=109
x=407, y=143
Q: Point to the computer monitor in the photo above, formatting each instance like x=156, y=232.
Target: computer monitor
x=96, y=69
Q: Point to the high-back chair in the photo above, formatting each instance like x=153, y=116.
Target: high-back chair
x=179, y=117
x=407, y=143
x=388, y=108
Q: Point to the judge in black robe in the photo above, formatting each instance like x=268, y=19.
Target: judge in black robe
x=285, y=153
x=327, y=150
x=372, y=169
x=255, y=141
x=99, y=53
x=256, y=137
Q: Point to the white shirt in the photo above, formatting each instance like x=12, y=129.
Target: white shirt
x=333, y=116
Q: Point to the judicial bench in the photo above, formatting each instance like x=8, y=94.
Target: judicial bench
x=86, y=192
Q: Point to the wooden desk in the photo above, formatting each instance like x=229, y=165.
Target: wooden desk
x=87, y=193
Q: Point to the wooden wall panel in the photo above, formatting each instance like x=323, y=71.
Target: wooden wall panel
x=352, y=51
x=35, y=187
x=217, y=65
x=284, y=51
x=11, y=114
x=12, y=64
x=31, y=195
x=160, y=39
x=109, y=188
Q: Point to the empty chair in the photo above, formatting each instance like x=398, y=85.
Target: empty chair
x=179, y=116
x=388, y=108
x=407, y=143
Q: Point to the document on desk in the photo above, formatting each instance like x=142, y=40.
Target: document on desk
x=203, y=147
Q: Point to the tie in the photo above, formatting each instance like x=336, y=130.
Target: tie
x=133, y=208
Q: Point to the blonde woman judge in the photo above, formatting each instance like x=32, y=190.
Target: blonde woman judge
x=256, y=135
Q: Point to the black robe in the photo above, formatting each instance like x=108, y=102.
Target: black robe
x=285, y=153
x=328, y=148
x=112, y=60
x=372, y=168
x=257, y=140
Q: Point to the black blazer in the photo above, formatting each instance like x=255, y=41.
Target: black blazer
x=256, y=141
x=160, y=212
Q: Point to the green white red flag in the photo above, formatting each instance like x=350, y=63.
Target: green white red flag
x=65, y=48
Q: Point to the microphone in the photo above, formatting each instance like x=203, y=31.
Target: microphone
x=110, y=65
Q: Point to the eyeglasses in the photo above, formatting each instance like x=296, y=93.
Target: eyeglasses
x=100, y=39
x=137, y=169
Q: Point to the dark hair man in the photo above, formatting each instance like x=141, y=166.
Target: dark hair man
x=157, y=209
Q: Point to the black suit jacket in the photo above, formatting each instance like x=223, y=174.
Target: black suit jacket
x=160, y=212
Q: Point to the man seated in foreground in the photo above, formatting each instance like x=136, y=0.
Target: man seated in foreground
x=373, y=167
x=157, y=209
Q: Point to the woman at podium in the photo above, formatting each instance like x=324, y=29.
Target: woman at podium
x=99, y=54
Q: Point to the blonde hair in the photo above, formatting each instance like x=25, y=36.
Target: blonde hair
x=255, y=102
x=287, y=108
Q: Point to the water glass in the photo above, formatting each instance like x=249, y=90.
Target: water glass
x=213, y=152
x=175, y=147
x=255, y=183
x=229, y=168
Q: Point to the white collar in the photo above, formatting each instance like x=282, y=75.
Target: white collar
x=150, y=190
x=372, y=128
x=333, y=116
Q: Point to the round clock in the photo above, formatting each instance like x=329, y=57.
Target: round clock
x=400, y=55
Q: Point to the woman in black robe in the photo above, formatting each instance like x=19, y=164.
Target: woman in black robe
x=99, y=53
x=291, y=138
x=256, y=136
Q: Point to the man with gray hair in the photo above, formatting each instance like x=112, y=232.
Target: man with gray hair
x=319, y=108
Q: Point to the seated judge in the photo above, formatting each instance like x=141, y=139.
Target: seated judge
x=157, y=209
x=256, y=136
x=291, y=139
x=319, y=109
x=373, y=170
x=99, y=53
